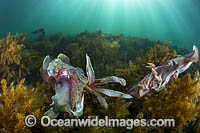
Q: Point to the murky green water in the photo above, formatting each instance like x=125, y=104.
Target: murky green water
x=165, y=20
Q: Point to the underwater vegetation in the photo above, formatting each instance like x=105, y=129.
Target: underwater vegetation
x=16, y=61
x=180, y=102
x=16, y=102
x=10, y=63
x=125, y=57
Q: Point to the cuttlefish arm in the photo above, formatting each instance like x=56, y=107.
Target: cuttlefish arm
x=89, y=70
x=110, y=79
x=142, y=88
x=94, y=85
x=178, y=65
x=173, y=67
x=100, y=98
x=161, y=75
x=113, y=93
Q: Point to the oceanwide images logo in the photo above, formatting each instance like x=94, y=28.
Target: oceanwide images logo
x=46, y=121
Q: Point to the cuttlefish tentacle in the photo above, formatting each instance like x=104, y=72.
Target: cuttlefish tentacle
x=113, y=93
x=70, y=85
x=95, y=88
x=111, y=79
x=90, y=70
x=161, y=75
x=100, y=98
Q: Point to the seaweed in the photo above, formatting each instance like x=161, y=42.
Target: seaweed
x=111, y=54
x=10, y=62
x=16, y=102
x=31, y=60
x=104, y=54
x=180, y=103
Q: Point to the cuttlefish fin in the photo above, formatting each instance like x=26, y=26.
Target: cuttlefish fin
x=90, y=71
x=43, y=69
x=64, y=58
x=195, y=56
x=79, y=108
x=191, y=57
x=46, y=62
x=51, y=113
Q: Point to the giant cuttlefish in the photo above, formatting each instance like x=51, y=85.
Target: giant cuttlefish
x=71, y=82
x=161, y=75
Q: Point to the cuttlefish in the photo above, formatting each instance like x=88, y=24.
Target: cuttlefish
x=71, y=83
x=161, y=75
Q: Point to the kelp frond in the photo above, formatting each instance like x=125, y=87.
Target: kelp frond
x=10, y=58
x=16, y=102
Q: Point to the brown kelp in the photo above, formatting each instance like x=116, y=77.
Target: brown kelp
x=10, y=58
x=16, y=102
x=110, y=54
x=180, y=103
x=176, y=90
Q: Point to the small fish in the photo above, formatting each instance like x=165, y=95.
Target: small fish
x=41, y=30
x=168, y=43
x=161, y=75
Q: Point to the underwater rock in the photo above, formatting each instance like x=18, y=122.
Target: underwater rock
x=71, y=82
x=161, y=75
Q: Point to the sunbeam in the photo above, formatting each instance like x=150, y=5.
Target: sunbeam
x=171, y=20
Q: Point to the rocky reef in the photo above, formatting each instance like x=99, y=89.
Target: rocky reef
x=23, y=91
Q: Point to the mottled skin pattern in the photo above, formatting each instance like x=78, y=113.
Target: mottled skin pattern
x=71, y=82
x=69, y=87
x=161, y=75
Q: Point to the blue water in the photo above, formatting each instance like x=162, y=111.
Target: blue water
x=166, y=20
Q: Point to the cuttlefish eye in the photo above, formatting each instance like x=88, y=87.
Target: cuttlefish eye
x=66, y=74
x=168, y=63
x=174, y=62
x=50, y=72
